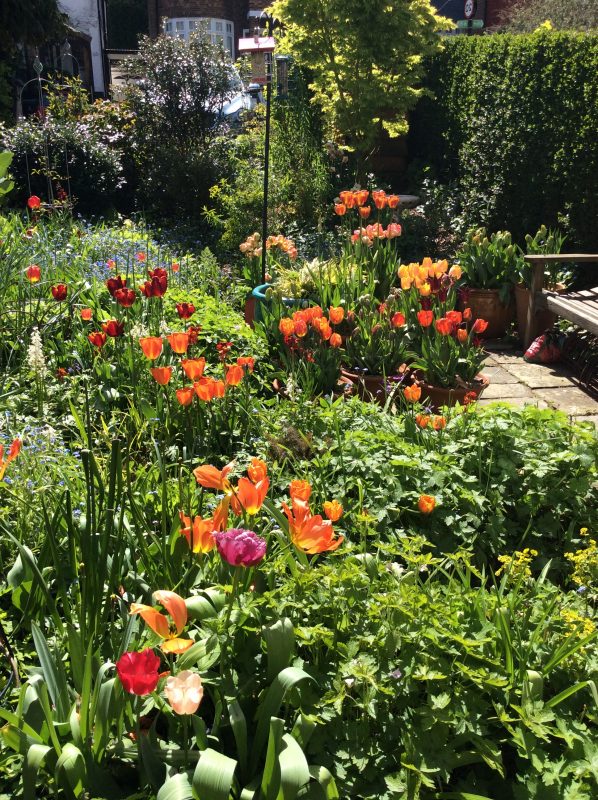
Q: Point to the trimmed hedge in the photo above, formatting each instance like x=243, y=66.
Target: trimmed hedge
x=513, y=124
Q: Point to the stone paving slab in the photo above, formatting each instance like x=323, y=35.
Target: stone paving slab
x=587, y=418
x=504, y=391
x=541, y=376
x=569, y=399
x=499, y=375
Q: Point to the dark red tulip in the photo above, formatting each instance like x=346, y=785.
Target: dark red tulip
x=113, y=328
x=185, y=310
x=59, y=292
x=97, y=338
x=125, y=297
x=116, y=283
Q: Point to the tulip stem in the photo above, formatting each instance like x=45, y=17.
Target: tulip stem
x=229, y=609
x=186, y=739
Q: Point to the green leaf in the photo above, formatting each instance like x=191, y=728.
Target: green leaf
x=271, y=775
x=201, y=655
x=70, y=767
x=34, y=759
x=294, y=771
x=54, y=674
x=326, y=781
x=214, y=775
x=557, y=699
x=239, y=727
x=270, y=706
x=280, y=643
x=177, y=788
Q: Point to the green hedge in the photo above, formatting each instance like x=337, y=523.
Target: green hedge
x=513, y=124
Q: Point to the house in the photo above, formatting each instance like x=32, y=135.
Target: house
x=489, y=11
x=87, y=40
x=227, y=20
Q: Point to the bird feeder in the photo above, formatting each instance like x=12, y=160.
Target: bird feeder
x=260, y=48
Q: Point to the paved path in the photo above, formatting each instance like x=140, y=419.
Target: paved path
x=545, y=385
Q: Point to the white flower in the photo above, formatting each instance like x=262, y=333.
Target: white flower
x=35, y=355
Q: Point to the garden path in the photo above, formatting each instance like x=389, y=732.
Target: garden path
x=514, y=381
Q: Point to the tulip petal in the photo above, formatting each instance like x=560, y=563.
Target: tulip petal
x=176, y=646
x=154, y=619
x=175, y=605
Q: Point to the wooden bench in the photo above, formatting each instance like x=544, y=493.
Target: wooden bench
x=581, y=308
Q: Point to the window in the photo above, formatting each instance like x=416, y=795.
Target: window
x=221, y=31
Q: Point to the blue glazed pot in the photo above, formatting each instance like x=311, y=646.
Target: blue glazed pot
x=258, y=295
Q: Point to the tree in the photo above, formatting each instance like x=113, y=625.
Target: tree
x=365, y=58
x=527, y=15
x=177, y=96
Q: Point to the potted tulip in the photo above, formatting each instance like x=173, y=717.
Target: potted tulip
x=491, y=268
x=377, y=344
x=545, y=241
x=451, y=357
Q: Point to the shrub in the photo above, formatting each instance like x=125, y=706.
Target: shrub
x=512, y=124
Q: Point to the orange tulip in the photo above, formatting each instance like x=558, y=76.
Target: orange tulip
x=234, y=375
x=393, y=200
x=361, y=196
x=422, y=420
x=286, y=326
x=444, y=326
x=218, y=389
x=300, y=490
x=438, y=423
x=248, y=496
x=179, y=342
x=300, y=328
x=365, y=211
x=193, y=367
x=257, y=470
x=86, y=314
x=462, y=335
x=200, y=534
x=333, y=510
x=310, y=533
x=162, y=375
x=151, y=347
x=336, y=340
x=397, y=320
x=380, y=200
x=426, y=503
x=425, y=318
x=467, y=313
x=246, y=362
x=340, y=209
x=213, y=478
x=204, y=389
x=456, y=317
x=185, y=395
x=159, y=623
x=13, y=452
x=412, y=393
x=336, y=314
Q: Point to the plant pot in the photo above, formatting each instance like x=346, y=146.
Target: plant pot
x=369, y=388
x=544, y=318
x=439, y=396
x=250, y=303
x=486, y=304
x=258, y=295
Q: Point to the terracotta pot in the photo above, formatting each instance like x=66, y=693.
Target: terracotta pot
x=439, y=396
x=544, y=318
x=486, y=304
x=250, y=310
x=370, y=388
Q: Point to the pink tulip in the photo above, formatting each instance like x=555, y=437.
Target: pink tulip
x=240, y=548
x=184, y=692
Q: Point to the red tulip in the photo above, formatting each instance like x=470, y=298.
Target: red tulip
x=185, y=395
x=113, y=328
x=234, y=375
x=125, y=297
x=116, y=283
x=59, y=292
x=240, y=548
x=157, y=284
x=34, y=202
x=185, y=310
x=479, y=326
x=33, y=273
x=444, y=326
x=138, y=672
x=97, y=338
x=397, y=320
